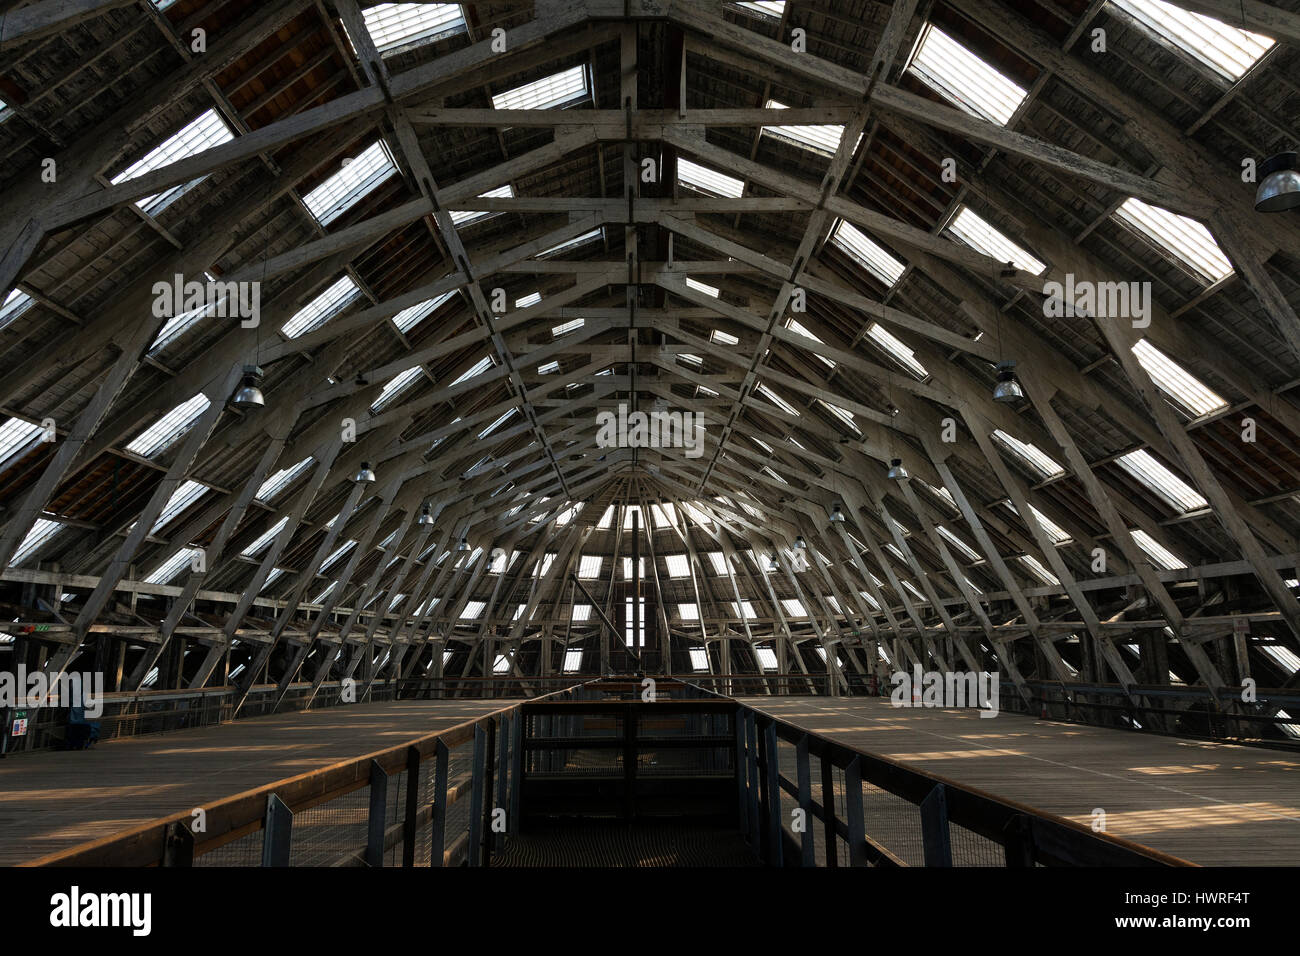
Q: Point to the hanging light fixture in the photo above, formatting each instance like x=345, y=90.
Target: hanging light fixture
x=249, y=394
x=1279, y=183
x=837, y=514
x=896, y=470
x=1007, y=390
x=800, y=543
x=464, y=543
x=771, y=562
x=365, y=474
x=426, y=519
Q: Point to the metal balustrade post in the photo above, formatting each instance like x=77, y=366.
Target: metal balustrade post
x=503, y=780
x=277, y=833
x=828, y=811
x=438, y=825
x=412, y=805
x=934, y=828
x=378, y=815
x=742, y=778
x=178, y=845
x=751, y=770
x=775, y=850
x=517, y=768
x=853, y=813
x=1018, y=841
x=807, y=842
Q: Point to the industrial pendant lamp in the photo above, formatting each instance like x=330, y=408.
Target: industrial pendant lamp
x=896, y=470
x=1279, y=183
x=800, y=543
x=1007, y=390
x=837, y=514
x=365, y=474
x=426, y=519
x=464, y=543
x=771, y=562
x=249, y=394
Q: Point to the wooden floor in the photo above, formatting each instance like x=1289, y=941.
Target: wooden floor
x=56, y=799
x=1213, y=804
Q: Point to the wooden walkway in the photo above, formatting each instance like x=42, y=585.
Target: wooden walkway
x=56, y=799
x=1210, y=803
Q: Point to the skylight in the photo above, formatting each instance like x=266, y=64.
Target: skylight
x=699, y=659
x=564, y=328
x=766, y=658
x=745, y=608
x=980, y=234
x=678, y=565
x=182, y=498
x=473, y=610
x=42, y=532
x=627, y=568
x=478, y=368
x=322, y=308
x=502, y=663
x=339, y=552
x=701, y=287
x=172, y=566
x=590, y=565
x=799, y=329
x=965, y=550
x=821, y=139
x=867, y=253
x=528, y=300
x=203, y=133
x=574, y=243
x=395, y=387
x=463, y=217
x=358, y=177
x=170, y=427
x=1226, y=49
x=282, y=479
x=719, y=562
x=16, y=436
x=688, y=612
x=1188, y=392
x=573, y=660
x=1178, y=493
x=708, y=181
x=794, y=607
x=606, y=520
x=899, y=352
x=266, y=537
x=843, y=414
x=719, y=337
x=1160, y=556
x=392, y=25
x=1037, y=570
x=550, y=92
x=1186, y=239
x=582, y=612
x=768, y=8
x=550, y=368
x=408, y=319
x=637, y=640
x=775, y=399
x=1054, y=531
x=15, y=304
x=963, y=78
x=1030, y=454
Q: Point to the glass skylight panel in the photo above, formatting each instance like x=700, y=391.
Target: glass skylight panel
x=1187, y=391
x=1037, y=570
x=628, y=637
x=462, y=217
x=1283, y=656
x=544, y=565
x=776, y=399
x=1178, y=493
x=1186, y=239
x=606, y=520
x=843, y=414
x=550, y=368
x=530, y=299
x=719, y=562
x=1054, y=531
x=980, y=234
x=395, y=387
x=821, y=139
x=392, y=25
x=866, y=253
x=409, y=318
x=766, y=658
x=798, y=328
x=501, y=665
x=478, y=368
x=519, y=612
x=719, y=337
x=1030, y=454
x=794, y=607
x=688, y=612
x=550, y=92
x=965, y=550
x=1160, y=556
x=169, y=428
x=573, y=660
x=574, y=243
x=322, y=308
x=339, y=552
x=568, y=514
x=202, y=133
x=709, y=181
x=899, y=352
x=769, y=8
x=184, y=496
x=282, y=479
x=916, y=595
x=963, y=78
x=42, y=532
x=582, y=612
x=702, y=287
x=745, y=608
x=678, y=565
x=270, y=578
x=564, y=328
x=473, y=610
x=357, y=178
x=15, y=437
x=15, y=304
x=501, y=420
x=172, y=566
x=265, y=538
x=699, y=659
x=640, y=567
x=1226, y=49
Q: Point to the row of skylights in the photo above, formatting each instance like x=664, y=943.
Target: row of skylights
x=463, y=217
x=1186, y=239
x=899, y=352
x=963, y=78
x=978, y=233
x=282, y=479
x=205, y=132
x=409, y=318
x=821, y=139
x=708, y=181
x=357, y=178
x=392, y=25
x=866, y=253
x=43, y=530
x=557, y=91
x=1188, y=392
x=398, y=384
x=1030, y=454
x=16, y=436
x=184, y=496
x=1226, y=49
x=1176, y=492
x=15, y=304
x=258, y=544
x=322, y=308
x=162, y=433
